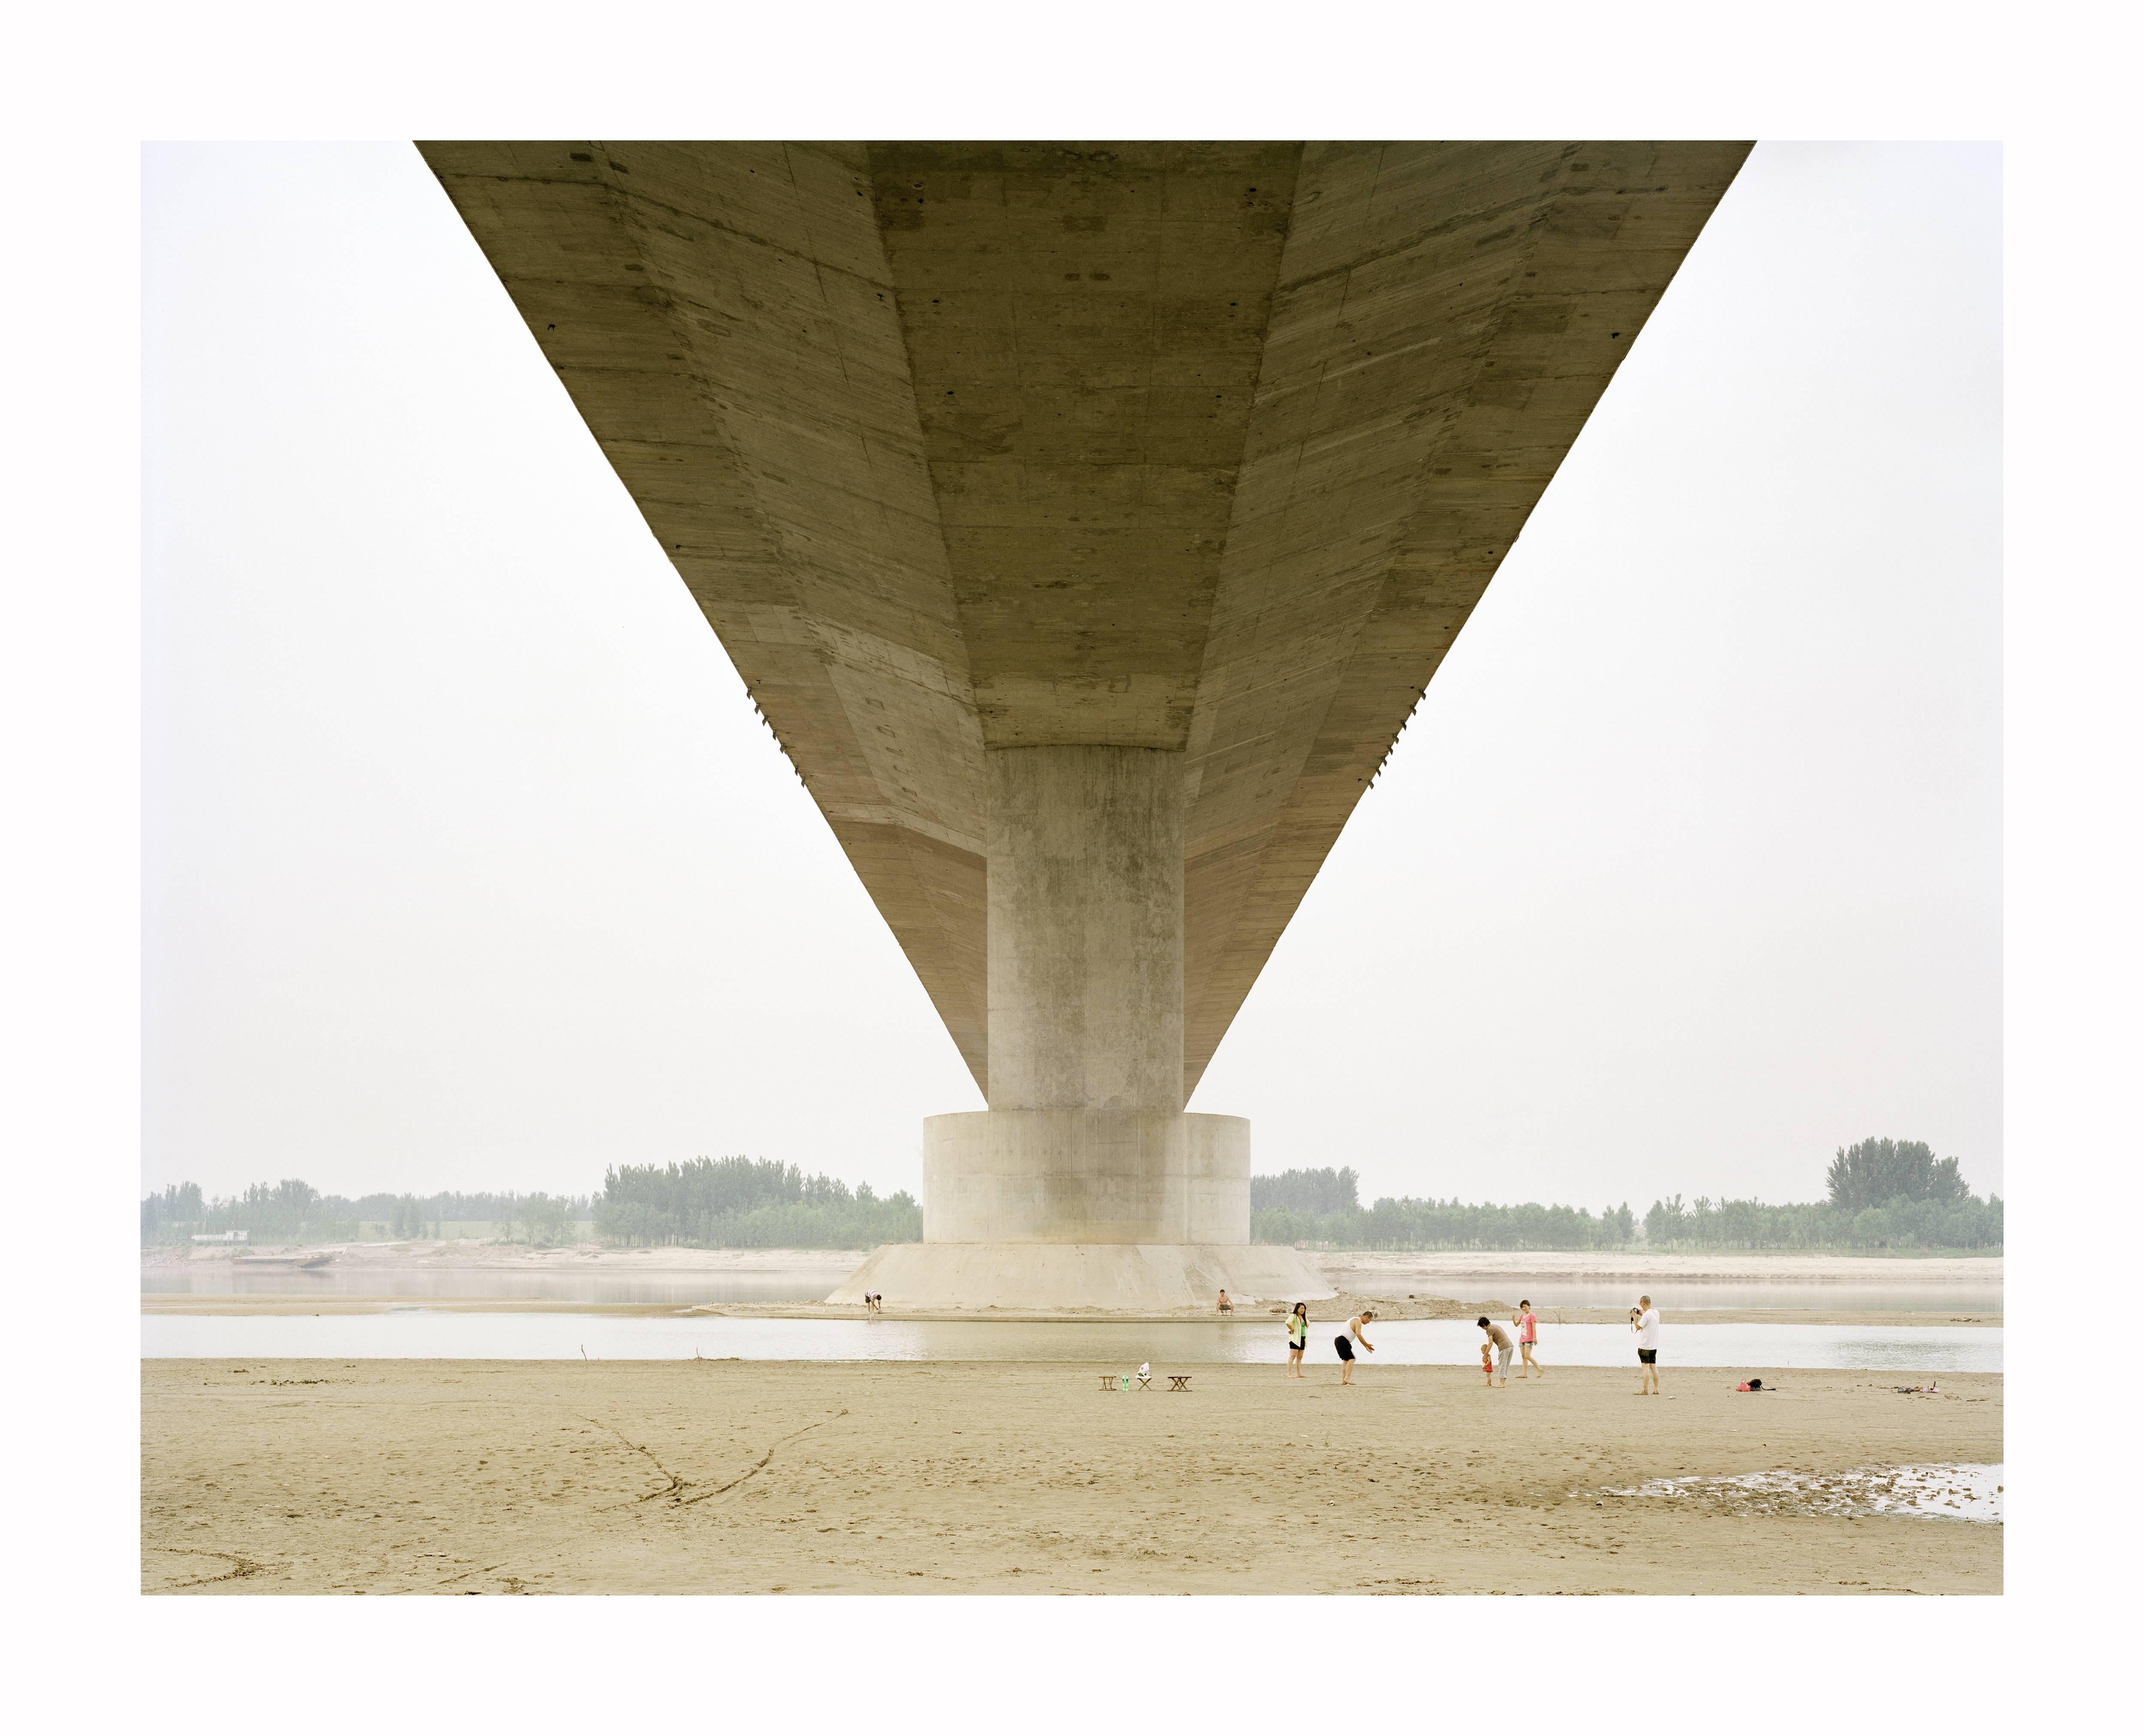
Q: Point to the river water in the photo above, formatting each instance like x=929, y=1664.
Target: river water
x=811, y=1282
x=419, y=1332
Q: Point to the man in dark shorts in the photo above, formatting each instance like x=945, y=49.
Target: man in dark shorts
x=1348, y=1350
x=1646, y=1321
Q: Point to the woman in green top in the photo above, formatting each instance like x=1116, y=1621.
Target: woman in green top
x=1298, y=1332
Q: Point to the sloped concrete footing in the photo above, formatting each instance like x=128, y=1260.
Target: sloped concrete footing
x=972, y=1276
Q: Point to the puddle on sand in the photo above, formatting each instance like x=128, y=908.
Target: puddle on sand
x=1928, y=1492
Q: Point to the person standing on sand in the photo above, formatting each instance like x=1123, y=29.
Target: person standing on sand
x=1298, y=1337
x=1645, y=1323
x=1502, y=1340
x=1348, y=1350
x=1528, y=1327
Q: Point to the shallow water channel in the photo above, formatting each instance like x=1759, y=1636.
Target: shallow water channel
x=417, y=1331
x=811, y=1281
x=1971, y=1492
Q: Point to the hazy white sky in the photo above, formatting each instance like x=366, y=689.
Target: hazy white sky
x=467, y=866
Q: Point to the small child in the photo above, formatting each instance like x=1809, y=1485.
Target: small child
x=1488, y=1368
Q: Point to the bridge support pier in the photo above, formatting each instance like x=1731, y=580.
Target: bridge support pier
x=1085, y=1147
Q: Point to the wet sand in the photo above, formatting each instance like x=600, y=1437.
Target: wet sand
x=457, y=1477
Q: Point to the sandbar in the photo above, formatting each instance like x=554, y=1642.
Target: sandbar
x=455, y=1477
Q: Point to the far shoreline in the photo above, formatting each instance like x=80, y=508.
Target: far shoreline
x=471, y=1254
x=1444, y=1286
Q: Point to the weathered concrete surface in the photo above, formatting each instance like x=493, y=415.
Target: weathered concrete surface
x=1085, y=846
x=1202, y=448
x=1088, y=1176
x=1116, y=1276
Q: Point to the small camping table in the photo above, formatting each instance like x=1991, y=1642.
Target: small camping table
x=1109, y=1383
x=1179, y=1383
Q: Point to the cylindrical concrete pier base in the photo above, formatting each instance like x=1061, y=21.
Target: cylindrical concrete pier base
x=1141, y=1176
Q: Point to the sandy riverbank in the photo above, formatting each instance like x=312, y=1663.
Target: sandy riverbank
x=451, y=1477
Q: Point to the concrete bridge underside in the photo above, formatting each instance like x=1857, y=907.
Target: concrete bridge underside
x=1086, y=520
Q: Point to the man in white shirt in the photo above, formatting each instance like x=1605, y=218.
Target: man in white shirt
x=1646, y=1321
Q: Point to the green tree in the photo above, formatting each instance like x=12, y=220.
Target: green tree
x=1667, y=1221
x=1317, y=1191
x=747, y=1203
x=1877, y=1171
x=549, y=1220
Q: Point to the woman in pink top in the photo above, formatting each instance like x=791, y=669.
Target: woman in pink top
x=1528, y=1328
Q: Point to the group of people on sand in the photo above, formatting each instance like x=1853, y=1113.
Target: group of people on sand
x=1298, y=1341
x=1497, y=1343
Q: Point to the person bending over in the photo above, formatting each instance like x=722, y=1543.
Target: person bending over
x=1348, y=1350
x=1502, y=1340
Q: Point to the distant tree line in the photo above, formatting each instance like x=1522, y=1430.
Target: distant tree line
x=1318, y=1192
x=709, y=1202
x=1320, y=1206
x=547, y=1220
x=295, y=1211
x=1880, y=1194
x=1711, y=1226
x=747, y=1202
x=1883, y=1195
